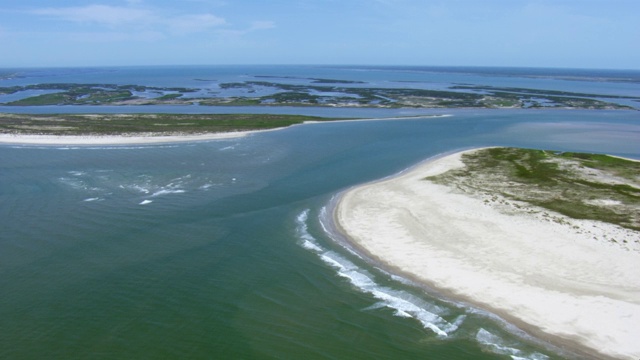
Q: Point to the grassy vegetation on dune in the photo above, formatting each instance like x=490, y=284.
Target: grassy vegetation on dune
x=117, y=124
x=578, y=185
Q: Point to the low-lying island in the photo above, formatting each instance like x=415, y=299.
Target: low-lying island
x=571, y=281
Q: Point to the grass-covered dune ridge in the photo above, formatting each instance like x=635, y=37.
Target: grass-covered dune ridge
x=123, y=124
x=577, y=185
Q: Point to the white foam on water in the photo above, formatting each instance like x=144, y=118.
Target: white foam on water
x=310, y=245
x=497, y=345
x=167, y=191
x=77, y=183
x=324, y=217
x=92, y=199
x=135, y=187
x=73, y=183
x=145, y=202
x=308, y=241
x=403, y=303
x=400, y=279
x=188, y=176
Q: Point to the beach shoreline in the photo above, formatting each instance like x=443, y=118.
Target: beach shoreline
x=377, y=220
x=161, y=138
x=124, y=139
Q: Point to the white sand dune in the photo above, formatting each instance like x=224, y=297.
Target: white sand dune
x=559, y=284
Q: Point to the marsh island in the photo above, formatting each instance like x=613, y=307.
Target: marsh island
x=315, y=92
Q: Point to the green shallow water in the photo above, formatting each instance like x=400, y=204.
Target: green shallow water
x=216, y=250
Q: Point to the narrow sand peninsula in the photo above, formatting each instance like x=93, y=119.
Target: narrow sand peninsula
x=564, y=286
x=22, y=139
x=156, y=138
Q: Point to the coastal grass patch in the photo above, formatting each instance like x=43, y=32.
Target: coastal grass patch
x=131, y=124
x=92, y=97
x=577, y=185
x=44, y=99
x=169, y=96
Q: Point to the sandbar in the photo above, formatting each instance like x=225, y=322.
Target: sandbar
x=558, y=283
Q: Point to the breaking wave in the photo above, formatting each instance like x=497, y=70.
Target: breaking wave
x=401, y=302
x=495, y=344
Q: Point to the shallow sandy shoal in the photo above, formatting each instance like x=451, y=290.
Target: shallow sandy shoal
x=559, y=284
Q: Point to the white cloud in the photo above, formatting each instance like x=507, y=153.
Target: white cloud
x=100, y=14
x=217, y=3
x=262, y=25
x=147, y=22
x=255, y=26
x=194, y=23
x=386, y=2
x=116, y=36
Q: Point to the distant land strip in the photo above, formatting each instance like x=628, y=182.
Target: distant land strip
x=146, y=124
x=321, y=92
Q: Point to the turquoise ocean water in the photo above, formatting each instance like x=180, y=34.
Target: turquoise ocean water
x=223, y=249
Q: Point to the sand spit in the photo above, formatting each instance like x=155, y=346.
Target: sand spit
x=550, y=278
x=23, y=139
x=157, y=138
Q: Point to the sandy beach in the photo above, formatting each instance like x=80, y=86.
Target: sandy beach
x=158, y=138
x=23, y=139
x=560, y=281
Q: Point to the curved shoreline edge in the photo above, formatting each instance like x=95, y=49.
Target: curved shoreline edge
x=24, y=139
x=574, y=293
x=159, y=138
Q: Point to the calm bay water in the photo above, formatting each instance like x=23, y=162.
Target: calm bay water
x=217, y=250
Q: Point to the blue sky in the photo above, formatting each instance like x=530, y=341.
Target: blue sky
x=542, y=33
